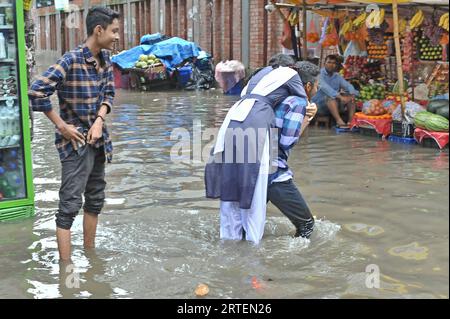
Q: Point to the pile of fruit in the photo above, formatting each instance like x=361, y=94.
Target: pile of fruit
x=443, y=22
x=431, y=122
x=396, y=97
x=372, y=91
x=375, y=19
x=364, y=72
x=353, y=66
x=426, y=50
x=360, y=115
x=417, y=20
x=409, y=51
x=354, y=30
x=146, y=61
x=439, y=107
x=374, y=108
x=377, y=51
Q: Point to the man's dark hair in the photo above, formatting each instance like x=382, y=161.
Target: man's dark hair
x=102, y=16
x=308, y=71
x=332, y=57
x=281, y=60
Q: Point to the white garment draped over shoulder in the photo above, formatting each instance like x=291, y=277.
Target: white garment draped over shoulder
x=233, y=220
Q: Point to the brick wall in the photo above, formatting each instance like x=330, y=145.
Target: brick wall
x=217, y=30
x=256, y=33
x=236, y=32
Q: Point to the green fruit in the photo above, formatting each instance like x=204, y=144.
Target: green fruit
x=443, y=111
x=436, y=123
x=421, y=118
x=434, y=105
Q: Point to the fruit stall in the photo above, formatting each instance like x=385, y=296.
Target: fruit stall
x=396, y=55
x=160, y=61
x=147, y=72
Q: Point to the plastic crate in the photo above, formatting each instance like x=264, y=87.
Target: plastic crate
x=237, y=89
x=401, y=129
x=184, y=75
x=404, y=140
x=369, y=131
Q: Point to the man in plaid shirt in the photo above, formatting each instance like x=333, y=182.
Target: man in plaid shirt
x=292, y=116
x=84, y=81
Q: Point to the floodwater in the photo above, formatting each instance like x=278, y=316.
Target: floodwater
x=382, y=218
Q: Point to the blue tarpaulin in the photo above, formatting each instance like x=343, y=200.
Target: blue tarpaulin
x=171, y=52
x=153, y=38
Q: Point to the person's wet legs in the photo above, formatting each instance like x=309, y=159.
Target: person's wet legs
x=287, y=198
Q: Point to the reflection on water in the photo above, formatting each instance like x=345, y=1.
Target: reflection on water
x=376, y=203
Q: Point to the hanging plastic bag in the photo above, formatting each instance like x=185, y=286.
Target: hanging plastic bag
x=374, y=108
x=353, y=50
x=411, y=108
x=331, y=37
x=313, y=35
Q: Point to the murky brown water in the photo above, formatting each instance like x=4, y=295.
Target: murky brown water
x=378, y=204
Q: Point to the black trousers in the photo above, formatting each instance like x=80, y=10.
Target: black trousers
x=83, y=171
x=287, y=198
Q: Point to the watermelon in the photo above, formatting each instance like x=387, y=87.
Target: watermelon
x=436, y=123
x=443, y=111
x=421, y=118
x=434, y=105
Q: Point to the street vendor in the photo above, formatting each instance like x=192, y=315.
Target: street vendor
x=335, y=96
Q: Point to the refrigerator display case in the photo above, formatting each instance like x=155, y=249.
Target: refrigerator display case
x=16, y=182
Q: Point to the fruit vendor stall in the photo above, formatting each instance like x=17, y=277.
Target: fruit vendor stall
x=160, y=62
x=147, y=72
x=395, y=54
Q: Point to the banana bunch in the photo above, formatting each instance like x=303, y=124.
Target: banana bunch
x=293, y=18
x=402, y=25
x=443, y=21
x=380, y=18
x=346, y=27
x=416, y=20
x=360, y=20
x=375, y=19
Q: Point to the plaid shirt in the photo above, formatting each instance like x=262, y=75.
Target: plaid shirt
x=81, y=92
x=289, y=116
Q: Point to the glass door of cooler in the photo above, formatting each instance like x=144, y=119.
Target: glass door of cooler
x=12, y=159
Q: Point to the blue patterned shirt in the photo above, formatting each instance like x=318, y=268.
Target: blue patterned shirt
x=82, y=90
x=289, y=116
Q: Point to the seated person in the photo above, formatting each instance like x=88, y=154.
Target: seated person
x=336, y=96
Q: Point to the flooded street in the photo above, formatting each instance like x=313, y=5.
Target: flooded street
x=380, y=207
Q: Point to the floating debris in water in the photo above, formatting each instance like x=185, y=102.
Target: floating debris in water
x=369, y=230
x=411, y=251
x=201, y=290
x=256, y=284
